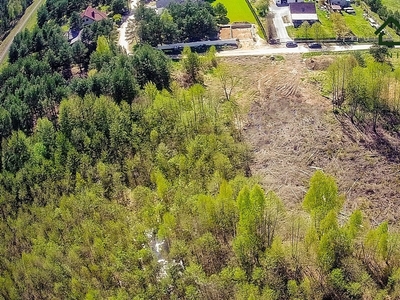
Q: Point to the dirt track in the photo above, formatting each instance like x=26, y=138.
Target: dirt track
x=293, y=132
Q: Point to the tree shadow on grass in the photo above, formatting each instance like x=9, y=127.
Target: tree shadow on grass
x=386, y=148
x=377, y=141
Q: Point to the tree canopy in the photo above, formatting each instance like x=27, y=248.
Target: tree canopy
x=125, y=177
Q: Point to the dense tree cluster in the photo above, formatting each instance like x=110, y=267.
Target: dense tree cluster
x=62, y=10
x=187, y=22
x=10, y=12
x=35, y=80
x=367, y=90
x=119, y=183
x=39, y=73
x=384, y=12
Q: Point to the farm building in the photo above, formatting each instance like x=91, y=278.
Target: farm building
x=286, y=2
x=301, y=12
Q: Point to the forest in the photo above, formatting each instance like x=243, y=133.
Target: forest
x=367, y=90
x=190, y=21
x=125, y=177
x=10, y=12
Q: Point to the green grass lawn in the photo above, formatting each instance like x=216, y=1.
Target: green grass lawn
x=355, y=22
x=238, y=11
x=391, y=31
x=358, y=25
x=392, y=4
x=327, y=24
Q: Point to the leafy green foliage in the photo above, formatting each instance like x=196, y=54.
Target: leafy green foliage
x=187, y=22
x=151, y=66
x=10, y=11
x=322, y=198
x=220, y=12
x=122, y=184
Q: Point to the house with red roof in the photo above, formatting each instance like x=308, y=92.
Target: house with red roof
x=91, y=15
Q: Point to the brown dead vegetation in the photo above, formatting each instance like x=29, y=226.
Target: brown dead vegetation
x=293, y=132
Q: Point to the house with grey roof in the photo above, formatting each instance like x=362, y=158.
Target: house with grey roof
x=301, y=12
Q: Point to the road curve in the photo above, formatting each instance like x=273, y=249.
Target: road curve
x=5, y=45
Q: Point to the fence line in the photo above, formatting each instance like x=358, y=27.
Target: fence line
x=257, y=19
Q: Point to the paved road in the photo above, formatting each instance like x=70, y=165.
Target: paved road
x=279, y=13
x=5, y=45
x=274, y=50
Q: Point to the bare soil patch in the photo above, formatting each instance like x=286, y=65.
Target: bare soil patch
x=293, y=132
x=225, y=33
x=236, y=33
x=242, y=33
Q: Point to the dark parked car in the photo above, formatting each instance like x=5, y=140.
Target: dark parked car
x=274, y=41
x=315, y=46
x=291, y=44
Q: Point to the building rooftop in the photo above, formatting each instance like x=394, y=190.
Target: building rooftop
x=93, y=14
x=302, y=8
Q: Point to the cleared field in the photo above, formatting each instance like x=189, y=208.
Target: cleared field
x=392, y=4
x=238, y=11
x=292, y=131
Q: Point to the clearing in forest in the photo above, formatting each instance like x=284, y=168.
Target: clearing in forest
x=293, y=132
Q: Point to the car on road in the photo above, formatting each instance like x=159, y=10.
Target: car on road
x=291, y=44
x=315, y=46
x=274, y=41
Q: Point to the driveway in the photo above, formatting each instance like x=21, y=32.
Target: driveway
x=279, y=13
x=122, y=30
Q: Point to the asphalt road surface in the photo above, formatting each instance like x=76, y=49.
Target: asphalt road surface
x=281, y=49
